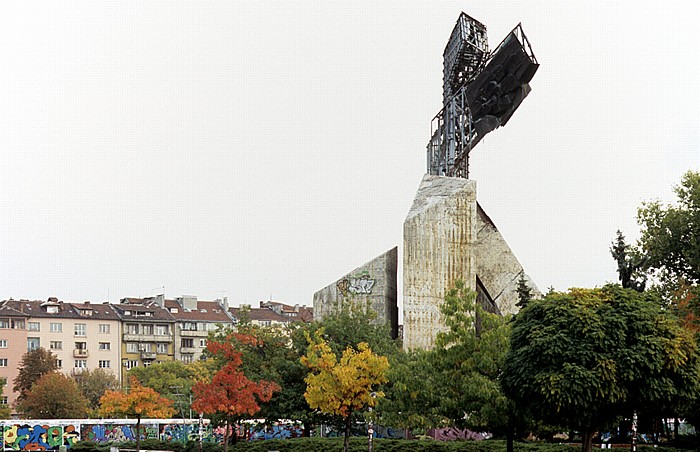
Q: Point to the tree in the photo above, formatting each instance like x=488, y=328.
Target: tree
x=53, y=396
x=585, y=358
x=670, y=236
x=629, y=264
x=230, y=392
x=137, y=401
x=5, y=411
x=524, y=291
x=93, y=383
x=343, y=386
x=35, y=364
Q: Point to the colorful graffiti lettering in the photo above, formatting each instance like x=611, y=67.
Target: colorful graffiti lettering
x=275, y=431
x=185, y=432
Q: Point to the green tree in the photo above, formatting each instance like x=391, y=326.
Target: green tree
x=53, y=396
x=93, y=383
x=34, y=365
x=670, y=236
x=584, y=358
x=629, y=264
x=171, y=379
x=341, y=387
x=5, y=411
x=524, y=291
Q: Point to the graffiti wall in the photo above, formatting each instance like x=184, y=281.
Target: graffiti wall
x=50, y=435
x=277, y=430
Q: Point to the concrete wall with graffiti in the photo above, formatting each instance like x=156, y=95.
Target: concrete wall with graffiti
x=19, y=435
x=374, y=282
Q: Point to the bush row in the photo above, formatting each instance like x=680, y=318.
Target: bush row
x=356, y=445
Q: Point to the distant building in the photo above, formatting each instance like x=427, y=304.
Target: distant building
x=13, y=344
x=296, y=313
x=194, y=320
x=261, y=316
x=148, y=332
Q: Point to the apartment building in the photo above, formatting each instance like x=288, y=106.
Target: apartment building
x=260, y=316
x=296, y=313
x=147, y=332
x=13, y=344
x=194, y=320
x=81, y=335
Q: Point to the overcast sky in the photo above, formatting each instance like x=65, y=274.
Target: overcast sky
x=262, y=150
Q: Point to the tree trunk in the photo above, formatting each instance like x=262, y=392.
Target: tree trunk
x=348, y=422
x=306, y=430
x=226, y=426
x=587, y=441
x=138, y=433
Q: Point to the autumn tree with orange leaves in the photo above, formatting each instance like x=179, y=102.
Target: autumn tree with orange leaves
x=138, y=401
x=343, y=386
x=230, y=393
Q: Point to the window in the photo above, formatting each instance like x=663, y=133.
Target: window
x=162, y=330
x=18, y=324
x=34, y=326
x=162, y=348
x=187, y=359
x=202, y=343
x=56, y=345
x=3, y=362
x=80, y=364
x=187, y=342
x=132, y=328
x=79, y=329
x=147, y=329
x=3, y=400
x=147, y=347
x=4, y=323
x=3, y=343
x=130, y=364
x=132, y=347
x=189, y=326
x=59, y=363
x=81, y=345
x=104, y=328
x=56, y=327
x=104, y=364
x=104, y=346
x=33, y=343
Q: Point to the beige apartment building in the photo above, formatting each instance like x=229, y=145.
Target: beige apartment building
x=13, y=344
x=81, y=335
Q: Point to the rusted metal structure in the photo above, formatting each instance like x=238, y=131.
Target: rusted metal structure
x=481, y=91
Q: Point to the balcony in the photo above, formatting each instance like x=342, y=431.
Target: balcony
x=128, y=337
x=193, y=333
x=188, y=350
x=148, y=355
x=80, y=353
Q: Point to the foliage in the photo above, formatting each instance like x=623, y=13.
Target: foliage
x=469, y=359
x=53, y=396
x=629, y=264
x=35, y=364
x=93, y=383
x=670, y=236
x=584, y=358
x=5, y=411
x=137, y=401
x=230, y=393
x=343, y=386
x=174, y=380
x=524, y=291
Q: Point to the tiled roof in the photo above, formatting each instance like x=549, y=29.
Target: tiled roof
x=154, y=312
x=207, y=311
x=297, y=313
x=262, y=314
x=10, y=312
x=39, y=309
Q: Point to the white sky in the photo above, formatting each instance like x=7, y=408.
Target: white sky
x=264, y=149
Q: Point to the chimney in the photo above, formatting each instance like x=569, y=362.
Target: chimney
x=223, y=303
x=160, y=300
x=188, y=302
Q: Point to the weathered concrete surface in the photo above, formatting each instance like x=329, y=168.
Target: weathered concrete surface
x=448, y=237
x=439, y=232
x=497, y=267
x=375, y=283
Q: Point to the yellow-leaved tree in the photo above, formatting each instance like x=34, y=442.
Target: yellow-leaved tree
x=139, y=401
x=342, y=386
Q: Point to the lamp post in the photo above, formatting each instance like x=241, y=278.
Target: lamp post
x=370, y=430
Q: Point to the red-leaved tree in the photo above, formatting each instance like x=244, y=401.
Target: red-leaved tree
x=230, y=393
